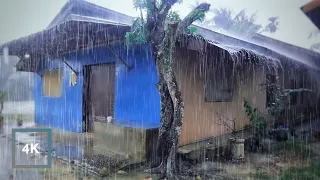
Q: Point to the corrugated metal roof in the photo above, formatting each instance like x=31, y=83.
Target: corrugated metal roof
x=76, y=17
x=233, y=45
x=86, y=9
x=69, y=35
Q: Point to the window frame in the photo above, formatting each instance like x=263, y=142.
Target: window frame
x=224, y=69
x=48, y=95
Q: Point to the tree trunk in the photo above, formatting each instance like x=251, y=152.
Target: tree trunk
x=171, y=119
x=1, y=107
x=1, y=117
x=175, y=130
x=166, y=116
x=172, y=106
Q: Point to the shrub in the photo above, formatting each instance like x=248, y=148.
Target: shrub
x=258, y=122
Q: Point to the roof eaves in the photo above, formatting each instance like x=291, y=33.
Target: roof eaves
x=310, y=6
x=75, y=17
x=66, y=10
x=228, y=41
x=87, y=4
x=17, y=42
x=63, y=13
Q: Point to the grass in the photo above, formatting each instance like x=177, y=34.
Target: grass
x=261, y=176
x=292, y=149
x=307, y=173
x=298, y=148
x=18, y=116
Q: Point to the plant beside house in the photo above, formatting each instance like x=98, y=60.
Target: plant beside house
x=277, y=108
x=19, y=120
x=2, y=96
x=235, y=144
x=282, y=98
x=281, y=103
x=258, y=123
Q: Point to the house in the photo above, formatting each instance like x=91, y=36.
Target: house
x=312, y=10
x=85, y=73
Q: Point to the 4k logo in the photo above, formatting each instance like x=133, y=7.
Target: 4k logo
x=33, y=148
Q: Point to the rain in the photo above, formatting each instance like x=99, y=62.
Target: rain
x=208, y=91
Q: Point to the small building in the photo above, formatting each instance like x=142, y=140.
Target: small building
x=312, y=11
x=84, y=73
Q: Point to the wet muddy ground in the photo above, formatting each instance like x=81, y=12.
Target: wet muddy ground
x=269, y=164
x=18, y=107
x=60, y=168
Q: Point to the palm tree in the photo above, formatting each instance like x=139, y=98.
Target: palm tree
x=272, y=27
x=245, y=25
x=240, y=24
x=314, y=33
x=222, y=18
x=316, y=46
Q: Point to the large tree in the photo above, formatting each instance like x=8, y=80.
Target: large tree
x=161, y=27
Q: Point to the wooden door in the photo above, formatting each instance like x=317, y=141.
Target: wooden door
x=99, y=93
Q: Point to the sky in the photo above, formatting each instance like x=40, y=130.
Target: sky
x=20, y=18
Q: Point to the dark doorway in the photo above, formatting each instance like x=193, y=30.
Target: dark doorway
x=98, y=96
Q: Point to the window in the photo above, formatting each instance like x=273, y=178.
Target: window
x=219, y=84
x=52, y=83
x=270, y=89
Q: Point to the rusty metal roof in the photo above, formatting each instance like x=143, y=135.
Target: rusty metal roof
x=312, y=10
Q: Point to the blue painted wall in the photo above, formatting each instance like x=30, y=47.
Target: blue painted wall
x=137, y=101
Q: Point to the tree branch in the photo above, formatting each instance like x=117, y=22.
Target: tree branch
x=224, y=122
x=152, y=5
x=166, y=5
x=152, y=15
x=194, y=15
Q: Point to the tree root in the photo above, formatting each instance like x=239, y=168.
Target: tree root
x=157, y=170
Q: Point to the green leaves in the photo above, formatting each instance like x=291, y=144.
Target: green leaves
x=282, y=97
x=198, y=14
x=257, y=120
x=140, y=4
x=173, y=16
x=201, y=16
x=192, y=30
x=138, y=33
x=2, y=96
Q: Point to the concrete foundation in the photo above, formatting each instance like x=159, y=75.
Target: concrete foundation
x=211, y=147
x=135, y=144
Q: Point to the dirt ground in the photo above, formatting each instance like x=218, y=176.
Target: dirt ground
x=63, y=171
x=268, y=164
x=263, y=165
x=254, y=166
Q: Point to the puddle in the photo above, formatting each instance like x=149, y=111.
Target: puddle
x=69, y=152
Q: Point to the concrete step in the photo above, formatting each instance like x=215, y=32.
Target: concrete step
x=211, y=145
